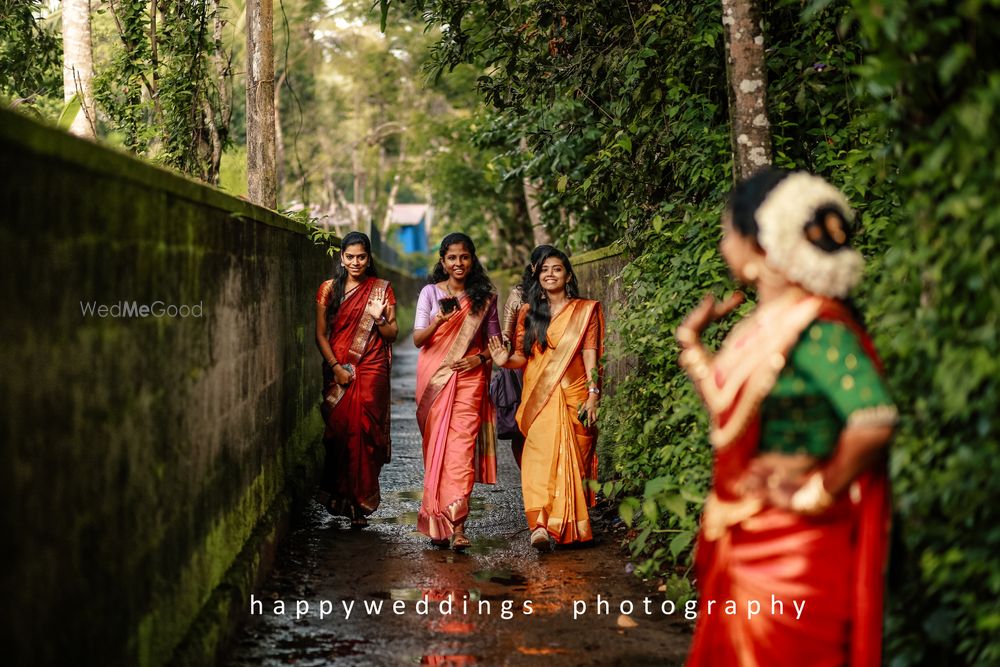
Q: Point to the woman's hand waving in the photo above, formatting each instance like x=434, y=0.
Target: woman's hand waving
x=376, y=306
x=708, y=311
x=498, y=351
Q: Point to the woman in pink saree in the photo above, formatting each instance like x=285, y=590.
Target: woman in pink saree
x=456, y=315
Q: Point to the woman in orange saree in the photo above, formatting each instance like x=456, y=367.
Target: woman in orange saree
x=558, y=342
x=355, y=324
x=456, y=314
x=507, y=383
x=795, y=527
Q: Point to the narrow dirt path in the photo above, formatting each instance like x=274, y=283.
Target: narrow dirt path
x=381, y=596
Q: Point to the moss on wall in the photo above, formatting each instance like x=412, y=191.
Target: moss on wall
x=599, y=275
x=149, y=460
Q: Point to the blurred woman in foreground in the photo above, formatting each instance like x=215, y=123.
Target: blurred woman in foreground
x=800, y=419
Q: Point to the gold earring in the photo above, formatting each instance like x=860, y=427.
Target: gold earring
x=751, y=271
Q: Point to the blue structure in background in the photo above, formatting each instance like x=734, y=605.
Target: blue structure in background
x=411, y=223
x=413, y=238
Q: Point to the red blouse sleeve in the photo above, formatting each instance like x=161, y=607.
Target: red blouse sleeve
x=391, y=301
x=323, y=295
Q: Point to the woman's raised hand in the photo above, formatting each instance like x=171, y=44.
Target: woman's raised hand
x=376, y=307
x=708, y=311
x=498, y=351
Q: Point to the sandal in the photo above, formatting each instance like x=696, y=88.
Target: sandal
x=540, y=539
x=459, y=542
x=359, y=523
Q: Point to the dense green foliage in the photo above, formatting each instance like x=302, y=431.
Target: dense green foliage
x=158, y=90
x=30, y=58
x=932, y=79
x=620, y=110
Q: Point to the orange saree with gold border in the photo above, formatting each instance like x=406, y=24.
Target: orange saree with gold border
x=559, y=453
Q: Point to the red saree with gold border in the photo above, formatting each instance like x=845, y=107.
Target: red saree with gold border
x=833, y=563
x=456, y=420
x=356, y=438
x=559, y=453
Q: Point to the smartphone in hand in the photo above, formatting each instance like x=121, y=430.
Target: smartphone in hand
x=448, y=304
x=582, y=415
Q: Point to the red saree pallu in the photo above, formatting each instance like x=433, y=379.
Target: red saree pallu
x=456, y=420
x=816, y=581
x=559, y=453
x=356, y=438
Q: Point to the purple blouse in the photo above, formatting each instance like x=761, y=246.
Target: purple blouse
x=428, y=306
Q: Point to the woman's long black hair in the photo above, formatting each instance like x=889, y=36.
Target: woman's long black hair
x=477, y=285
x=536, y=322
x=340, y=273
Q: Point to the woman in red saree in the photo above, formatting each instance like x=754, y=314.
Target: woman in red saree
x=456, y=314
x=355, y=325
x=558, y=342
x=796, y=524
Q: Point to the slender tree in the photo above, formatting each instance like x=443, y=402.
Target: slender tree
x=747, y=74
x=540, y=235
x=78, y=64
x=217, y=120
x=261, y=174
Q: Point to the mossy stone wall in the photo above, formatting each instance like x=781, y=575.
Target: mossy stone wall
x=598, y=275
x=149, y=463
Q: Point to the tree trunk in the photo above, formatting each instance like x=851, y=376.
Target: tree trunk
x=538, y=231
x=279, y=136
x=360, y=183
x=218, y=122
x=211, y=174
x=747, y=74
x=78, y=65
x=394, y=190
x=261, y=176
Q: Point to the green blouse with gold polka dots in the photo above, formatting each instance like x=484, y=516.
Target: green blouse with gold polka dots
x=827, y=381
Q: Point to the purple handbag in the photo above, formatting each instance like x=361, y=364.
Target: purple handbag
x=505, y=391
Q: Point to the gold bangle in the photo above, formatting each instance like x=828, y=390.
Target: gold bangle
x=812, y=497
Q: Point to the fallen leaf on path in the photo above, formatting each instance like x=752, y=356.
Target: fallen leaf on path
x=626, y=622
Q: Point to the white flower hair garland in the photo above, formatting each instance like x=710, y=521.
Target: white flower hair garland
x=782, y=220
